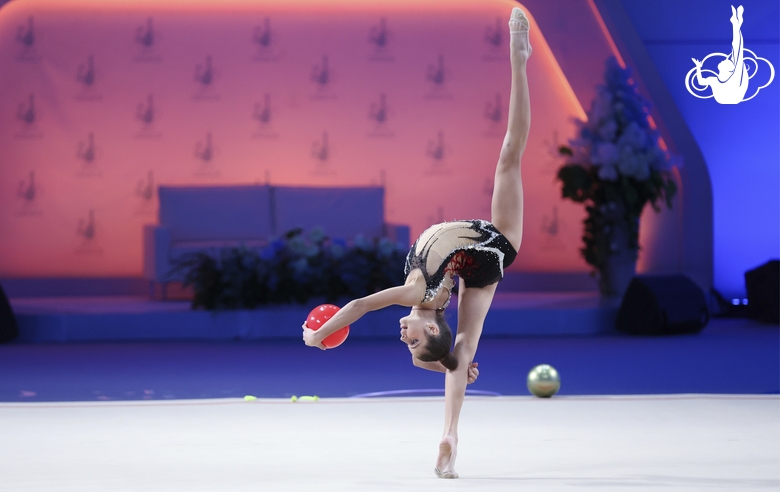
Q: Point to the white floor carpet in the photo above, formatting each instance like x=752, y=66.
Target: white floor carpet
x=669, y=443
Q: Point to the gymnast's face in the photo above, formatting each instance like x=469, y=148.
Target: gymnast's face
x=415, y=327
x=725, y=69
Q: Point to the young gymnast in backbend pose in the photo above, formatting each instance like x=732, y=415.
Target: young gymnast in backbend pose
x=477, y=251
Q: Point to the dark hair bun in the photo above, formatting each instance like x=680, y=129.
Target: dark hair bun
x=449, y=361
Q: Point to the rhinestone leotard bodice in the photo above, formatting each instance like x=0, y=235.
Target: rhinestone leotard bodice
x=472, y=249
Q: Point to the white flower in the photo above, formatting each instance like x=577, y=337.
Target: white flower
x=601, y=107
x=633, y=137
x=634, y=165
x=605, y=154
x=607, y=130
x=608, y=173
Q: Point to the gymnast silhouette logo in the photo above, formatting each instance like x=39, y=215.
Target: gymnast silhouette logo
x=378, y=110
x=436, y=148
x=320, y=150
x=379, y=38
x=28, y=193
x=25, y=34
x=86, y=150
x=86, y=228
x=86, y=72
x=145, y=188
x=204, y=149
x=26, y=111
x=493, y=110
x=28, y=189
x=262, y=111
x=320, y=74
x=552, y=226
x=145, y=112
x=144, y=35
x=494, y=35
x=437, y=73
x=729, y=85
x=262, y=35
x=204, y=73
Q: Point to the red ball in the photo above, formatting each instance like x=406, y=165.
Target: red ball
x=318, y=316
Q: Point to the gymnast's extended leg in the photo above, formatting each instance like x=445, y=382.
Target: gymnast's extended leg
x=507, y=216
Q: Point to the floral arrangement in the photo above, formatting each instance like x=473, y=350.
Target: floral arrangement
x=294, y=268
x=615, y=166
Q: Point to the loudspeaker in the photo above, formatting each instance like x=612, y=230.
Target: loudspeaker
x=662, y=305
x=8, y=327
x=763, y=292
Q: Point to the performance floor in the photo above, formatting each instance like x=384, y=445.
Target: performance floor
x=696, y=412
x=670, y=443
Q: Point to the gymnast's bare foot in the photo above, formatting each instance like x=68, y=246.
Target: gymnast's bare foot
x=445, y=464
x=519, y=44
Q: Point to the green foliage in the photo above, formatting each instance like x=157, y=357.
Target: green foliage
x=293, y=268
x=615, y=166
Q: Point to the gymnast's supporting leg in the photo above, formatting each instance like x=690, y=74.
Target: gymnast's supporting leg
x=507, y=216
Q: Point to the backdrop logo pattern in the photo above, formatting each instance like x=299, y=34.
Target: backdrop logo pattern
x=379, y=39
x=729, y=85
x=27, y=118
x=322, y=77
x=379, y=114
x=436, y=75
x=146, y=114
x=551, y=228
x=26, y=39
x=265, y=40
x=87, y=230
x=493, y=115
x=263, y=114
x=27, y=193
x=205, y=152
x=146, y=38
x=495, y=42
x=205, y=75
x=86, y=76
x=145, y=192
x=437, y=152
x=87, y=153
x=321, y=152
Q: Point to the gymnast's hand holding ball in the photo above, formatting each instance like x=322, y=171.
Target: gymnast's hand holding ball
x=318, y=317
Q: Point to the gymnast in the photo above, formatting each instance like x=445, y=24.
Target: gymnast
x=477, y=251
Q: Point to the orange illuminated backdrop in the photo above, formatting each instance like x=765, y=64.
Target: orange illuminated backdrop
x=101, y=102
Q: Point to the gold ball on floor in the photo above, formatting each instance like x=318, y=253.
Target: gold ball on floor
x=543, y=381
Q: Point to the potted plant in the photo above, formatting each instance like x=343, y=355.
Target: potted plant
x=615, y=165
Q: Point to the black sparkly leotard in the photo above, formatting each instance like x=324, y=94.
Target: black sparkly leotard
x=473, y=249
